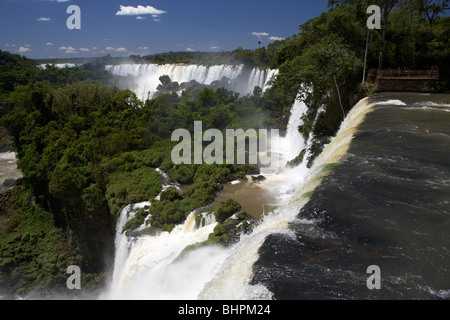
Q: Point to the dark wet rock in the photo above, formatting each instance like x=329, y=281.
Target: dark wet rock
x=9, y=183
x=258, y=178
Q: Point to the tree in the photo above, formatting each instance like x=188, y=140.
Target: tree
x=386, y=7
x=429, y=10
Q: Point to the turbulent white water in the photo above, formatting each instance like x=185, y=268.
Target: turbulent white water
x=58, y=65
x=144, y=78
x=149, y=266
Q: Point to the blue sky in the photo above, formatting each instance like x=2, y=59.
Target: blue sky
x=37, y=28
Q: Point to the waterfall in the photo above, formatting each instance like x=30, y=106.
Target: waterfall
x=58, y=65
x=149, y=266
x=121, y=242
x=152, y=271
x=143, y=79
x=232, y=280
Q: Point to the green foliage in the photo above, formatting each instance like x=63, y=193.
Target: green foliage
x=136, y=221
x=170, y=194
x=226, y=210
x=131, y=187
x=34, y=253
x=297, y=160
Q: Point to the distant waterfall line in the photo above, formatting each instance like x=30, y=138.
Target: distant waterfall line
x=143, y=79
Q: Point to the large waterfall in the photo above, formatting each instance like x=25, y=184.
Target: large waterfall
x=143, y=79
x=147, y=266
x=321, y=236
x=152, y=268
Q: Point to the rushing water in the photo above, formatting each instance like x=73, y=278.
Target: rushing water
x=143, y=79
x=384, y=203
x=148, y=266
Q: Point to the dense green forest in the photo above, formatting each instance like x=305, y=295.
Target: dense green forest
x=87, y=149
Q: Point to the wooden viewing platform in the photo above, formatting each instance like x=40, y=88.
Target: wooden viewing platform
x=405, y=80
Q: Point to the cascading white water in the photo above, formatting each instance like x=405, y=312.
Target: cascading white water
x=232, y=280
x=146, y=266
x=121, y=242
x=289, y=147
x=58, y=65
x=144, y=78
x=152, y=269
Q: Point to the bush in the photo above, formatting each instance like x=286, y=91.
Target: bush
x=226, y=210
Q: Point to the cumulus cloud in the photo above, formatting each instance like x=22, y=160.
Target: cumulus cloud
x=84, y=50
x=24, y=49
x=276, y=38
x=68, y=49
x=214, y=47
x=189, y=49
x=10, y=45
x=43, y=19
x=260, y=34
x=139, y=11
x=49, y=44
x=141, y=18
x=116, y=49
x=143, y=48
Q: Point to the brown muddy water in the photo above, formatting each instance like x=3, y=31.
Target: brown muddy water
x=254, y=197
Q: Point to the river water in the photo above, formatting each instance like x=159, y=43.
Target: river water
x=386, y=204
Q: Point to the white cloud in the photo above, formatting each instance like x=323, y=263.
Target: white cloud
x=84, y=50
x=139, y=10
x=275, y=38
x=23, y=49
x=189, y=49
x=214, y=47
x=260, y=34
x=94, y=48
x=141, y=18
x=68, y=49
x=43, y=19
x=143, y=48
x=122, y=49
x=10, y=45
x=49, y=44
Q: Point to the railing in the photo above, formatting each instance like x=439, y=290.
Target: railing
x=418, y=74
